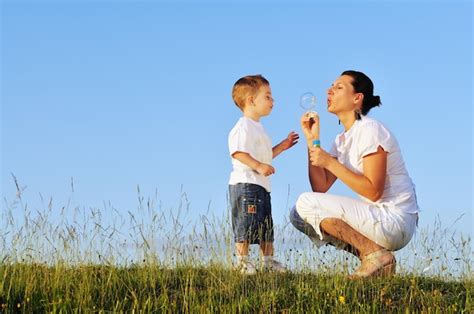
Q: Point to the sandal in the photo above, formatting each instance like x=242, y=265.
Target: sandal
x=380, y=270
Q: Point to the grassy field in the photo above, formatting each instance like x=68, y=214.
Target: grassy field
x=64, y=259
x=149, y=288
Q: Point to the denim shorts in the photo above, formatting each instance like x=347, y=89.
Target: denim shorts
x=251, y=213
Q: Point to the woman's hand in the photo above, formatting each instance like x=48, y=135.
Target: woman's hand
x=319, y=157
x=310, y=126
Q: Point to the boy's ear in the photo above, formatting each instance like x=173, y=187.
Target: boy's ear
x=250, y=100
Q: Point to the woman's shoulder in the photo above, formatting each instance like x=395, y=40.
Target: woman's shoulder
x=372, y=131
x=370, y=123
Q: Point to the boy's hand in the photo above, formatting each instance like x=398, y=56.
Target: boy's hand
x=265, y=169
x=290, y=141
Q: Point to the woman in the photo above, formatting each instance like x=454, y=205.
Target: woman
x=367, y=158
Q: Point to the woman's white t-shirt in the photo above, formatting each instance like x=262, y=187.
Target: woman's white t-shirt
x=364, y=138
x=249, y=136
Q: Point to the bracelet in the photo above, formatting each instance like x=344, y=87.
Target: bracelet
x=316, y=143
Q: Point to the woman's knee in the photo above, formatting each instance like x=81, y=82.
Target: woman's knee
x=304, y=202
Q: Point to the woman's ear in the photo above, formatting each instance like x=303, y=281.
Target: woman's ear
x=359, y=99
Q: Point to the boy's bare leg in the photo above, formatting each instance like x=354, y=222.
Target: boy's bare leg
x=242, y=248
x=266, y=248
x=266, y=251
x=242, y=252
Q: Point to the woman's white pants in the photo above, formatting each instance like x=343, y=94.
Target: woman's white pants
x=383, y=224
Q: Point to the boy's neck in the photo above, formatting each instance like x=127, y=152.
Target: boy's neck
x=252, y=115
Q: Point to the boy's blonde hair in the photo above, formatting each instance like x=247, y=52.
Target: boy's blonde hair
x=247, y=86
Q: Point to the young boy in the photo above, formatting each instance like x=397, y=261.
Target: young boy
x=249, y=184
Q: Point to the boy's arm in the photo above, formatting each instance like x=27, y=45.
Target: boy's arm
x=249, y=161
x=287, y=143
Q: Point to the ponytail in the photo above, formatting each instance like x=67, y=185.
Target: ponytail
x=367, y=104
x=363, y=84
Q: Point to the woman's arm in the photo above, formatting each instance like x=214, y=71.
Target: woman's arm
x=370, y=184
x=319, y=178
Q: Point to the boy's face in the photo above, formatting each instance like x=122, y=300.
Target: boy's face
x=262, y=103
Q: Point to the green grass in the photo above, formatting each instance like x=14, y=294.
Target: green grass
x=149, y=288
x=70, y=258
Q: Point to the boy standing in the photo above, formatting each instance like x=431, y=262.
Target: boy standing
x=249, y=184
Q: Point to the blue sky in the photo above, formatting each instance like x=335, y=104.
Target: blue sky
x=120, y=94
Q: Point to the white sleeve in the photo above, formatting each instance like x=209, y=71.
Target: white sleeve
x=239, y=141
x=372, y=136
x=333, y=150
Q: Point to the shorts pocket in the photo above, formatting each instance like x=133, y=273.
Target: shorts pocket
x=250, y=205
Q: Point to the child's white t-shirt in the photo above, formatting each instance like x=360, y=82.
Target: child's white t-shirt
x=249, y=136
x=364, y=138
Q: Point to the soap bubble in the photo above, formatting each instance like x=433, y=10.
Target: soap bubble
x=307, y=101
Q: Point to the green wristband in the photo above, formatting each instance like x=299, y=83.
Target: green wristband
x=316, y=143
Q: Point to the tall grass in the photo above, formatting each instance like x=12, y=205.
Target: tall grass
x=69, y=258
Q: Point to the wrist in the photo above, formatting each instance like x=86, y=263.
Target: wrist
x=282, y=146
x=312, y=142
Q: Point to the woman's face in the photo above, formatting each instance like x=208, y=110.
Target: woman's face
x=342, y=97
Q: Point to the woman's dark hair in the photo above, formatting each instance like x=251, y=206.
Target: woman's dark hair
x=363, y=84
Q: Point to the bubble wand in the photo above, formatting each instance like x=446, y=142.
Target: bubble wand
x=308, y=102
